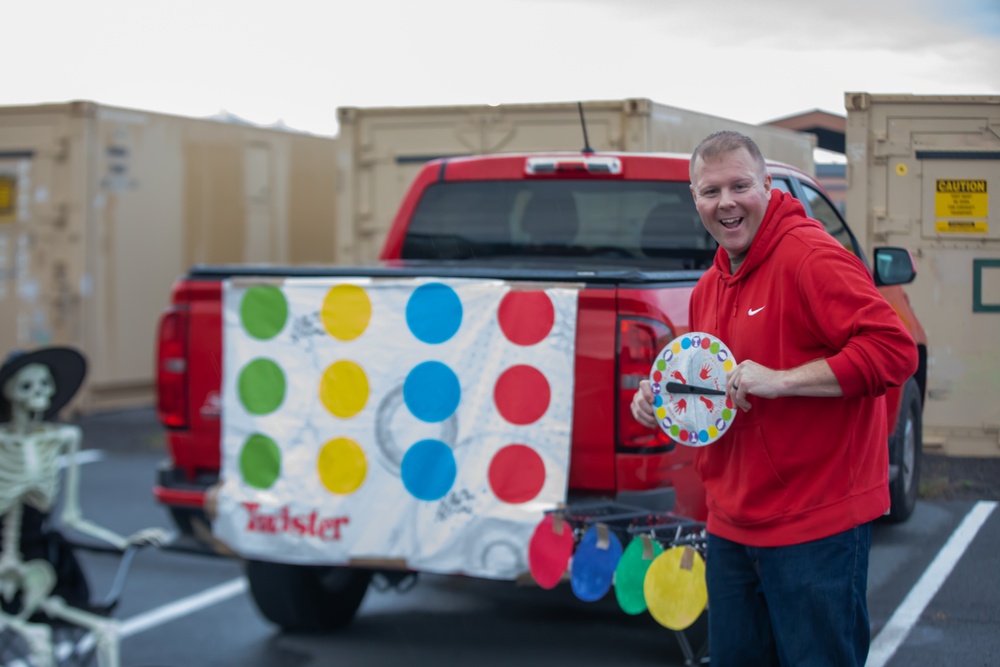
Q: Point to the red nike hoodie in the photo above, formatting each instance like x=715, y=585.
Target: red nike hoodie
x=795, y=469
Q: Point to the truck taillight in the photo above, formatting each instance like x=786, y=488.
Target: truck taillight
x=639, y=341
x=171, y=369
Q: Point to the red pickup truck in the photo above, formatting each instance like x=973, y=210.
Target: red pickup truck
x=623, y=225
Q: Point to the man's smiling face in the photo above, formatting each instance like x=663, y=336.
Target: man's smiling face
x=731, y=193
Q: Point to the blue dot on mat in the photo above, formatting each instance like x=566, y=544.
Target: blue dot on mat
x=428, y=469
x=431, y=392
x=657, y=401
x=434, y=313
x=703, y=436
x=686, y=343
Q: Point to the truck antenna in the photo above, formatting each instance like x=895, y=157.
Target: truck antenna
x=583, y=123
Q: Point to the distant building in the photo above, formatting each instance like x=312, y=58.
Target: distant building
x=830, y=130
x=833, y=178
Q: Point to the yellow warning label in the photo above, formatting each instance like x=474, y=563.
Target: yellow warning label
x=7, y=196
x=961, y=198
x=962, y=227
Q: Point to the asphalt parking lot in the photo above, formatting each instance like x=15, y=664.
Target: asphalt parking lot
x=934, y=590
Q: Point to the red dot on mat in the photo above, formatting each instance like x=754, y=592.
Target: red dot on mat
x=522, y=395
x=526, y=318
x=516, y=474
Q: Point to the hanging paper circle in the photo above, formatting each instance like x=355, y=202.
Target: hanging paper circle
x=675, y=588
x=631, y=573
x=688, y=380
x=594, y=564
x=549, y=551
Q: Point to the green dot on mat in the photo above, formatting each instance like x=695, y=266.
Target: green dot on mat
x=260, y=461
x=263, y=311
x=261, y=386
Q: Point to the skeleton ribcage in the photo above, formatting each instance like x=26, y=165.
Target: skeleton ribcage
x=29, y=470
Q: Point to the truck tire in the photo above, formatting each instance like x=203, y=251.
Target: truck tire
x=306, y=599
x=905, y=449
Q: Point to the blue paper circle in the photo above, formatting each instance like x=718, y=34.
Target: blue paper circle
x=593, y=568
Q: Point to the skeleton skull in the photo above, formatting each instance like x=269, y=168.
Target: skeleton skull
x=31, y=389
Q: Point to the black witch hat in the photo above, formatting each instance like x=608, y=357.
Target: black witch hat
x=68, y=368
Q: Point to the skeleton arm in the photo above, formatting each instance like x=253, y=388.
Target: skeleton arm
x=72, y=515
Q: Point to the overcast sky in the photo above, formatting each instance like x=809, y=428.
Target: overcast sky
x=296, y=61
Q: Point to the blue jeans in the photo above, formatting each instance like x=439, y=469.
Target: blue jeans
x=799, y=605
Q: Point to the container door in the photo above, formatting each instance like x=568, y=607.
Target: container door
x=39, y=253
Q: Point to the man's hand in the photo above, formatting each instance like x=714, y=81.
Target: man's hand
x=642, y=405
x=750, y=378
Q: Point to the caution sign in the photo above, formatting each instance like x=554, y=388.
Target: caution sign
x=961, y=198
x=8, y=197
x=966, y=198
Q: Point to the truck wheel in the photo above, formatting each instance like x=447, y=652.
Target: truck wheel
x=905, y=448
x=306, y=598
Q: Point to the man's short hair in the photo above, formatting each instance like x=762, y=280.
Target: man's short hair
x=724, y=142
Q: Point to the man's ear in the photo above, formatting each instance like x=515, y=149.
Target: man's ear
x=767, y=183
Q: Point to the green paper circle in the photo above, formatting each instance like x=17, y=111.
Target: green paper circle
x=260, y=461
x=263, y=311
x=630, y=575
x=261, y=386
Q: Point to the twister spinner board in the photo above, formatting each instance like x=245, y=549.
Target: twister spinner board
x=688, y=380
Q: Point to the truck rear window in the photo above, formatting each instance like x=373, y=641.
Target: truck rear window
x=559, y=218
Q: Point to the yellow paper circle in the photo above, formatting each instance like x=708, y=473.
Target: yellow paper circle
x=676, y=596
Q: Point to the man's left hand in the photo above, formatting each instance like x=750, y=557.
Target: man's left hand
x=750, y=378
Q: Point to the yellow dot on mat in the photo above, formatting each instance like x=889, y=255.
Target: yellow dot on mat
x=342, y=466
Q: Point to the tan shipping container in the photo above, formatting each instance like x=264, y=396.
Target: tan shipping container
x=924, y=173
x=382, y=149
x=102, y=208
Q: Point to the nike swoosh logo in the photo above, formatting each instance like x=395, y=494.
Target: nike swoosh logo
x=754, y=311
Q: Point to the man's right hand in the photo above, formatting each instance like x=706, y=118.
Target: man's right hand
x=642, y=405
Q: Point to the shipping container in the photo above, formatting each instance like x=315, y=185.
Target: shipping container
x=924, y=173
x=102, y=208
x=381, y=149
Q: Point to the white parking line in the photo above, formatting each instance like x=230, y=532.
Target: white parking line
x=153, y=617
x=82, y=457
x=908, y=613
x=183, y=607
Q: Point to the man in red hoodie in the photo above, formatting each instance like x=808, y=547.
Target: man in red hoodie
x=795, y=483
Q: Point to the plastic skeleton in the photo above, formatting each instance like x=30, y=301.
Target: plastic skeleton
x=30, y=451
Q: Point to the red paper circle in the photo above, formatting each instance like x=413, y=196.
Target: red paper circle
x=549, y=552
